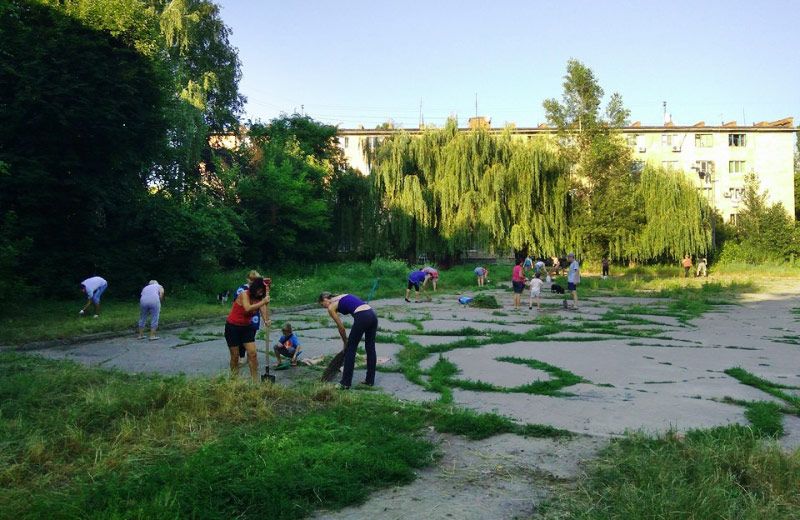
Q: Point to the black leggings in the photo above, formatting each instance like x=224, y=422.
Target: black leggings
x=365, y=323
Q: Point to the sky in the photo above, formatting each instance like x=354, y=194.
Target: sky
x=353, y=63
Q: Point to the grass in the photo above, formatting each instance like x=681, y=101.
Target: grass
x=485, y=301
x=773, y=389
x=90, y=443
x=301, y=284
x=716, y=474
x=292, y=285
x=766, y=418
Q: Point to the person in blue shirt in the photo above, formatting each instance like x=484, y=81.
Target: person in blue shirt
x=288, y=346
x=415, y=280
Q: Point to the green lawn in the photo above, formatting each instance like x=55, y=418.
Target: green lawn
x=46, y=319
x=717, y=474
x=90, y=443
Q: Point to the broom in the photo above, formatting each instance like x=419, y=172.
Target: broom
x=333, y=367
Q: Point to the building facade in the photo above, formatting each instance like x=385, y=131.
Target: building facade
x=715, y=158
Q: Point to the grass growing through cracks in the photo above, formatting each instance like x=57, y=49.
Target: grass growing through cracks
x=773, y=389
x=90, y=443
x=720, y=473
x=442, y=375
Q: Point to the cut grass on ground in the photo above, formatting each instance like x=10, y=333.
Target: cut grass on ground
x=90, y=443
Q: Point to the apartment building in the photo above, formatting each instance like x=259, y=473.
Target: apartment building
x=715, y=158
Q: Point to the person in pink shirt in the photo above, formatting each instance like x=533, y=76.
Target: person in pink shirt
x=518, y=282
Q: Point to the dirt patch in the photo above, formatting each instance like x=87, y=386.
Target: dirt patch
x=506, y=476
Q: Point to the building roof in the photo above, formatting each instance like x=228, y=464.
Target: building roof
x=781, y=125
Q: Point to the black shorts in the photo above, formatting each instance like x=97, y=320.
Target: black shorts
x=518, y=287
x=413, y=285
x=238, y=335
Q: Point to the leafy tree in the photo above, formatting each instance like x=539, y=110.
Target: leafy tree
x=188, y=44
x=446, y=191
x=762, y=232
x=284, y=188
x=601, y=183
x=82, y=121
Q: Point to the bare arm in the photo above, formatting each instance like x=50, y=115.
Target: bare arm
x=338, y=321
x=250, y=307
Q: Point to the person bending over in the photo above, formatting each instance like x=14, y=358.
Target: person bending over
x=434, y=274
x=481, y=273
x=150, y=305
x=365, y=323
x=93, y=288
x=415, y=280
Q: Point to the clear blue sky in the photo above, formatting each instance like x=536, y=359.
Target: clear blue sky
x=357, y=62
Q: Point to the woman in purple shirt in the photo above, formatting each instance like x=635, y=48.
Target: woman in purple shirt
x=365, y=323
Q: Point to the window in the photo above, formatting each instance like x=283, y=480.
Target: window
x=703, y=140
x=732, y=220
x=669, y=165
x=641, y=143
x=735, y=194
x=705, y=169
x=346, y=141
x=737, y=140
x=630, y=139
x=736, y=167
x=669, y=139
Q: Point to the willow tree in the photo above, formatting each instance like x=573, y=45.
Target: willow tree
x=445, y=191
x=676, y=220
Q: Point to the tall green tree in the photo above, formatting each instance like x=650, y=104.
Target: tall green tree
x=601, y=181
x=189, y=44
x=82, y=120
x=446, y=191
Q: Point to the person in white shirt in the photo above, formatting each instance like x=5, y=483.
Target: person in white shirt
x=93, y=288
x=150, y=304
x=536, y=291
x=573, y=279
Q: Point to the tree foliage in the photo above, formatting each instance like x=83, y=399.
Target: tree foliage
x=100, y=148
x=447, y=191
x=762, y=232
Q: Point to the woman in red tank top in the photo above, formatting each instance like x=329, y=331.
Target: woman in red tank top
x=238, y=328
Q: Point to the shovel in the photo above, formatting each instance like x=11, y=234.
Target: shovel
x=266, y=376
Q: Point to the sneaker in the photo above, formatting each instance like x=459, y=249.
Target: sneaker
x=530, y=307
x=81, y=313
x=96, y=316
x=407, y=301
x=153, y=338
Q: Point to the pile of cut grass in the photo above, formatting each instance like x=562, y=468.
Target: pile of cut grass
x=721, y=473
x=484, y=301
